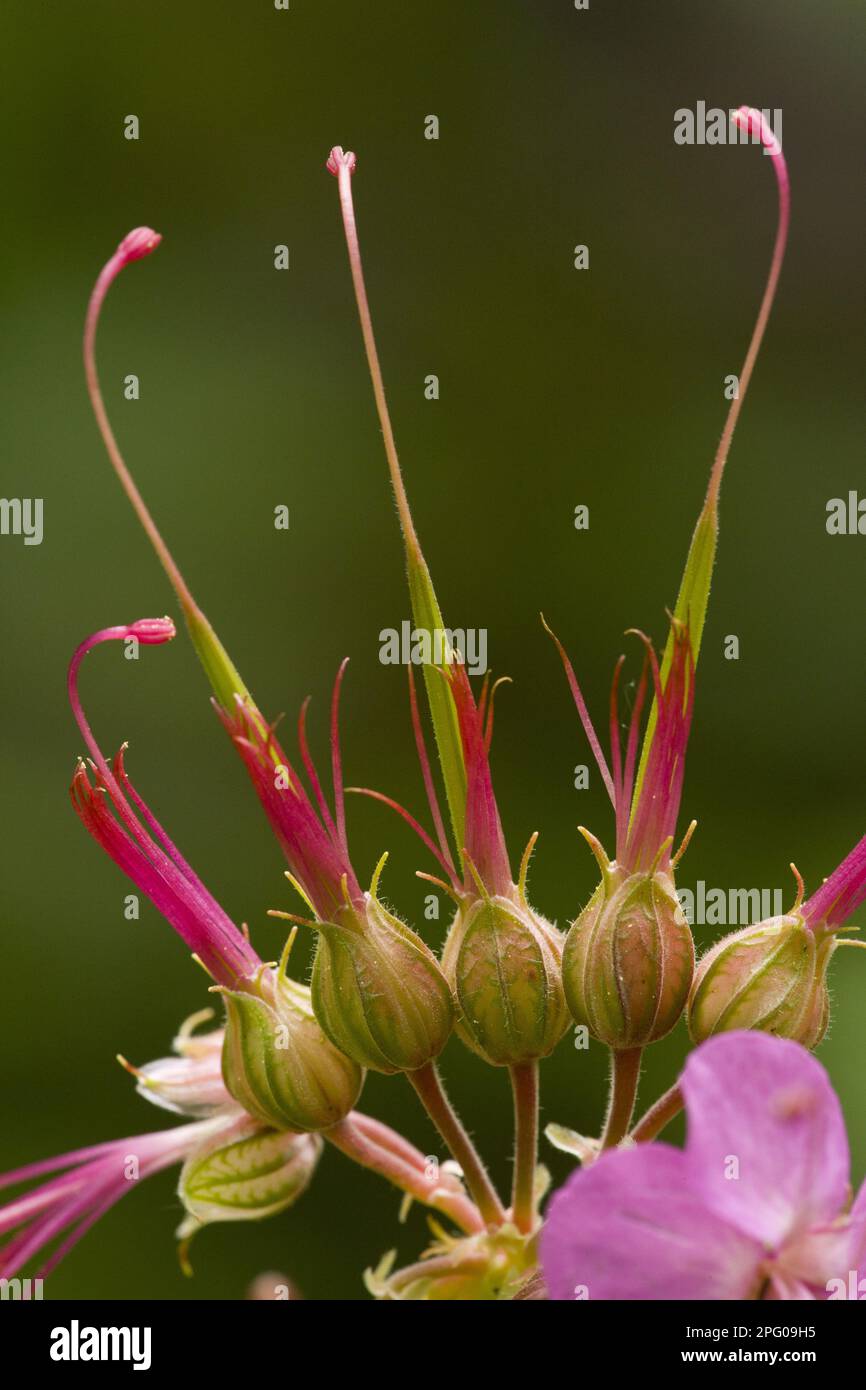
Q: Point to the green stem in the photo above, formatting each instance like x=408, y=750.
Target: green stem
x=660, y=1114
x=624, y=1076
x=428, y=1085
x=524, y=1085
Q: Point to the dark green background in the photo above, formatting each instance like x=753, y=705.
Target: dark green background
x=558, y=387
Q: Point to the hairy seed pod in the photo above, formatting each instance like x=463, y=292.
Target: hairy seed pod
x=277, y=1062
x=379, y=993
x=628, y=960
x=504, y=963
x=771, y=977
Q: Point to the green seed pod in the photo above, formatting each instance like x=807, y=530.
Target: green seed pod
x=277, y=1062
x=504, y=963
x=253, y=1175
x=770, y=977
x=628, y=959
x=379, y=993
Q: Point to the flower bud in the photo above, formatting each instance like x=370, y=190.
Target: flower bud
x=504, y=963
x=378, y=991
x=256, y=1174
x=277, y=1062
x=628, y=959
x=772, y=977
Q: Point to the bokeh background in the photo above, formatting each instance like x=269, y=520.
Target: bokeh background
x=557, y=388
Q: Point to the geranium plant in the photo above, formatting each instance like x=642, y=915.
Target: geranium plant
x=281, y=1072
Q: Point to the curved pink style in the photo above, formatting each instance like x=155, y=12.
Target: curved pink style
x=138, y=243
x=121, y=822
x=748, y=118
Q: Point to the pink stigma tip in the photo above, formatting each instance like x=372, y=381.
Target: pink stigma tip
x=754, y=122
x=137, y=243
x=152, y=631
x=337, y=160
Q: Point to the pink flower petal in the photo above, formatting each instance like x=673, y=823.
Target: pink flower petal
x=766, y=1140
x=636, y=1226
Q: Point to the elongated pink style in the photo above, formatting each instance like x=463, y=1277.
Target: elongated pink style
x=120, y=821
x=749, y=119
x=88, y=1183
x=483, y=850
x=841, y=894
x=645, y=820
x=135, y=245
x=313, y=837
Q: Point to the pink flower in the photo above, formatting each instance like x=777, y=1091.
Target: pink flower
x=755, y=1206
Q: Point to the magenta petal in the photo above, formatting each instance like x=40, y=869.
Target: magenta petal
x=766, y=1139
x=827, y=1257
x=636, y=1226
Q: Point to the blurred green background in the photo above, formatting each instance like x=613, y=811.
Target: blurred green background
x=557, y=388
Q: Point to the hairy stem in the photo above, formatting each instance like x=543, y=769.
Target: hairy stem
x=624, y=1076
x=665, y=1109
x=349, y=1137
x=428, y=1085
x=524, y=1085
